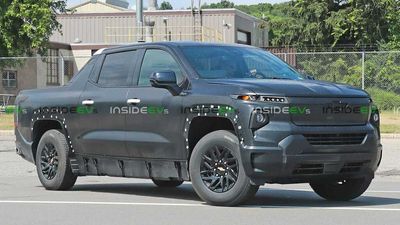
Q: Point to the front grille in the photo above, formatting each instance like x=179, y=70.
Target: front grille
x=335, y=139
x=309, y=169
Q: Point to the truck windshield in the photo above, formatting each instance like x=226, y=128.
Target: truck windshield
x=221, y=62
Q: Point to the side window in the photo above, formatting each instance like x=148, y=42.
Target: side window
x=155, y=61
x=117, y=69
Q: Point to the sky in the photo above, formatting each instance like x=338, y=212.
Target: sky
x=177, y=4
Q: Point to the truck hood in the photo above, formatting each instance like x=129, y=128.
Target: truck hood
x=293, y=88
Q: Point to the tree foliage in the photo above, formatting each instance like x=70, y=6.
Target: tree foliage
x=27, y=24
x=166, y=6
x=329, y=23
x=220, y=5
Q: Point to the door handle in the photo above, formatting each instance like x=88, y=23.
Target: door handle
x=87, y=102
x=133, y=101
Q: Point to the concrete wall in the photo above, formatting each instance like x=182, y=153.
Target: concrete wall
x=81, y=57
x=26, y=76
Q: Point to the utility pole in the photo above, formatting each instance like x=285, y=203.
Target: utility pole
x=139, y=19
x=197, y=20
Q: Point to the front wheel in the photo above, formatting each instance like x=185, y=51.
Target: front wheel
x=52, y=163
x=217, y=172
x=342, y=191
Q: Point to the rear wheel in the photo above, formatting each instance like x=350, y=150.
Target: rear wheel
x=342, y=191
x=52, y=163
x=217, y=172
x=167, y=183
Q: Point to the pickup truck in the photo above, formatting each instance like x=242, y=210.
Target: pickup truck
x=228, y=118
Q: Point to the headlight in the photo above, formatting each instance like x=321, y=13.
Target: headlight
x=375, y=117
x=375, y=114
x=261, y=98
x=247, y=97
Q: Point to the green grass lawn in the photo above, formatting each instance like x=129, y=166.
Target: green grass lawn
x=390, y=122
x=6, y=121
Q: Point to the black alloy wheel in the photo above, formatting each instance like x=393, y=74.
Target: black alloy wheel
x=219, y=169
x=49, y=161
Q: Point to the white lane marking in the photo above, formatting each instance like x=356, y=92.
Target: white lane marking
x=197, y=205
x=100, y=203
x=309, y=190
x=364, y=209
x=325, y=208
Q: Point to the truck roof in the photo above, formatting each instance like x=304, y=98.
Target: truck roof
x=173, y=44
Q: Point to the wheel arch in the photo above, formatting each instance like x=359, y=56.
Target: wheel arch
x=39, y=128
x=203, y=125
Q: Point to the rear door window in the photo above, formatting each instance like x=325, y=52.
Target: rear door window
x=117, y=69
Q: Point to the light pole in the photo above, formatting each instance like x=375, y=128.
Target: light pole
x=165, y=19
x=139, y=19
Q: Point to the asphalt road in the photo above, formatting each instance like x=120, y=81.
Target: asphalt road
x=105, y=200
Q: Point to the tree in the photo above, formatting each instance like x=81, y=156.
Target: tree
x=26, y=25
x=393, y=18
x=224, y=4
x=166, y=6
x=331, y=23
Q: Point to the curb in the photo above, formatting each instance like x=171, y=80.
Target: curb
x=390, y=136
x=6, y=132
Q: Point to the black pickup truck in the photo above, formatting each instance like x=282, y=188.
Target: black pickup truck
x=228, y=118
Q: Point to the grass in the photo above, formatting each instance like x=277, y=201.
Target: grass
x=390, y=122
x=6, y=121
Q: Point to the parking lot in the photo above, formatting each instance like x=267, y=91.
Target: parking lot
x=105, y=200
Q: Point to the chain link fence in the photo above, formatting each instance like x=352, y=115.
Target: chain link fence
x=376, y=72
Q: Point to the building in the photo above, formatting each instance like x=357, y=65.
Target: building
x=38, y=72
x=97, y=24
x=105, y=6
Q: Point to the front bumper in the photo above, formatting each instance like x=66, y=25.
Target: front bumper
x=280, y=153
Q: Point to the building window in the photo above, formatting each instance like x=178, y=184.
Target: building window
x=52, y=67
x=9, y=79
x=243, y=37
x=69, y=69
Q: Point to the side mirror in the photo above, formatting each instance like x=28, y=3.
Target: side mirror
x=167, y=80
x=309, y=77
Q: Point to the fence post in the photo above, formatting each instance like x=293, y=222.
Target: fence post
x=285, y=57
x=363, y=70
x=62, y=69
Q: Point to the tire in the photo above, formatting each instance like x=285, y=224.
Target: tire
x=342, y=191
x=216, y=184
x=54, y=143
x=167, y=183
